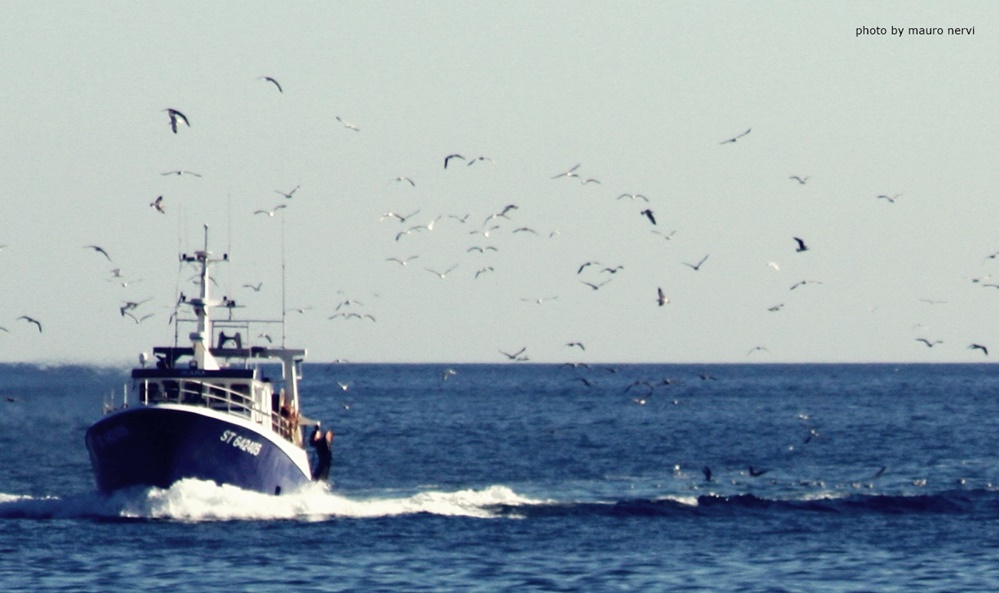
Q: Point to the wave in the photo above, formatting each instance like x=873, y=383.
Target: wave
x=197, y=501
x=954, y=502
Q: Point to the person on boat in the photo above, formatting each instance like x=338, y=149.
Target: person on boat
x=323, y=444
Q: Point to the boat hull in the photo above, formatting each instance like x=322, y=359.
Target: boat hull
x=159, y=445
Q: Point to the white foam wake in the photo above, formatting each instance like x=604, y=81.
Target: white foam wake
x=195, y=500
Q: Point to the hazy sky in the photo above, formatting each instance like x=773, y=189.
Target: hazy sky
x=639, y=94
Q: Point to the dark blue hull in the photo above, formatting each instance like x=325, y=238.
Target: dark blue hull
x=157, y=446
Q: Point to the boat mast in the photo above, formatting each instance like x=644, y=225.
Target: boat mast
x=201, y=338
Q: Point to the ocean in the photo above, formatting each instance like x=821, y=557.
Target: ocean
x=530, y=477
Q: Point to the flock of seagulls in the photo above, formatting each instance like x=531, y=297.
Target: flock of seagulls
x=488, y=231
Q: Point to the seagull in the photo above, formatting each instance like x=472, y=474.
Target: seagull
x=515, y=355
x=804, y=282
x=139, y=319
x=570, y=173
x=397, y=216
x=98, y=249
x=889, y=198
x=180, y=172
x=648, y=214
x=158, y=205
x=483, y=271
x=594, y=286
x=979, y=347
x=755, y=473
x=801, y=245
x=576, y=345
x=757, y=348
x=447, y=374
x=539, y=300
x=271, y=212
x=588, y=263
x=633, y=197
x=288, y=195
x=800, y=180
x=255, y=288
x=734, y=138
x=664, y=235
x=347, y=124
x=402, y=262
x=441, y=275
x=661, y=297
x=174, y=116
x=32, y=320
x=406, y=179
x=932, y=302
x=276, y=83
x=696, y=267
x=452, y=156
x=129, y=305
x=479, y=158
x=928, y=343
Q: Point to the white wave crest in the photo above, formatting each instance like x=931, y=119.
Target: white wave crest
x=196, y=500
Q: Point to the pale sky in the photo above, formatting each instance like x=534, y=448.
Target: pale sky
x=640, y=94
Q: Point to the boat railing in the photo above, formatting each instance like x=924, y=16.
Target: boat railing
x=235, y=400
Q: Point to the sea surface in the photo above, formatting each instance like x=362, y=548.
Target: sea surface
x=524, y=477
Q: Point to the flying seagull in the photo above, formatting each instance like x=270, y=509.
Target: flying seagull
x=800, y=180
x=889, y=198
x=271, y=211
x=515, y=355
x=32, y=320
x=347, y=124
x=929, y=343
x=406, y=179
x=441, y=275
x=276, y=83
x=98, y=249
x=174, y=116
x=661, y=297
x=734, y=138
x=979, y=347
x=801, y=245
x=633, y=197
x=570, y=173
x=696, y=267
x=402, y=262
x=255, y=288
x=648, y=214
x=288, y=195
x=181, y=172
x=452, y=156
x=158, y=205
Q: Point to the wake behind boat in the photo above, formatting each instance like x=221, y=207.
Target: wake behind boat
x=228, y=413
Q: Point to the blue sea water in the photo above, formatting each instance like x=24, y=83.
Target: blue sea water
x=523, y=477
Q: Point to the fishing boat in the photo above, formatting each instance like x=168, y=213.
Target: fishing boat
x=226, y=411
